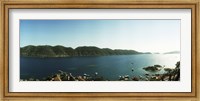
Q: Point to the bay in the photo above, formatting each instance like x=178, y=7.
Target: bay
x=109, y=67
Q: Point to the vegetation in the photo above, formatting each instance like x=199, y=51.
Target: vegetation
x=61, y=51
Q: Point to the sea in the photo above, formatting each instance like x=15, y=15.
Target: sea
x=109, y=67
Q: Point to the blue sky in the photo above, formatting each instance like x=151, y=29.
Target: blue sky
x=141, y=35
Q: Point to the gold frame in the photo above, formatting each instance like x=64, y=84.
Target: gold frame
x=6, y=5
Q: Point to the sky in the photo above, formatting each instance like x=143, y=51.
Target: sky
x=140, y=35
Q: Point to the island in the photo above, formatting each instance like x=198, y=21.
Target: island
x=172, y=52
x=153, y=68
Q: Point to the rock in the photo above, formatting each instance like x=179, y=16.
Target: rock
x=168, y=69
x=135, y=79
x=153, y=68
x=80, y=78
x=57, y=78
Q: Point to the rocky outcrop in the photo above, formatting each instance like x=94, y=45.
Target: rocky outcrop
x=153, y=68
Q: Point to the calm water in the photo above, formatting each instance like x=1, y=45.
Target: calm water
x=110, y=67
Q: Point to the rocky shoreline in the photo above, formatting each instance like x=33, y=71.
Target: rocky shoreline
x=169, y=75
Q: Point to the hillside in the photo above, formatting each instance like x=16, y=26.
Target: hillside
x=61, y=51
x=173, y=52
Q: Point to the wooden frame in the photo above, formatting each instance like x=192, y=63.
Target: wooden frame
x=87, y=4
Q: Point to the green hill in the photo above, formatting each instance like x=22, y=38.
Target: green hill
x=61, y=51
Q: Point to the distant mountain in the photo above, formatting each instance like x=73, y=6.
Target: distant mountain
x=173, y=52
x=61, y=51
x=147, y=53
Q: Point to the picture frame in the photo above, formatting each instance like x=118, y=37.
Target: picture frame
x=7, y=5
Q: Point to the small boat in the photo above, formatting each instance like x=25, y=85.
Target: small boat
x=132, y=70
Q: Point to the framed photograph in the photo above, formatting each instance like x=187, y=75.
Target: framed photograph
x=99, y=49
